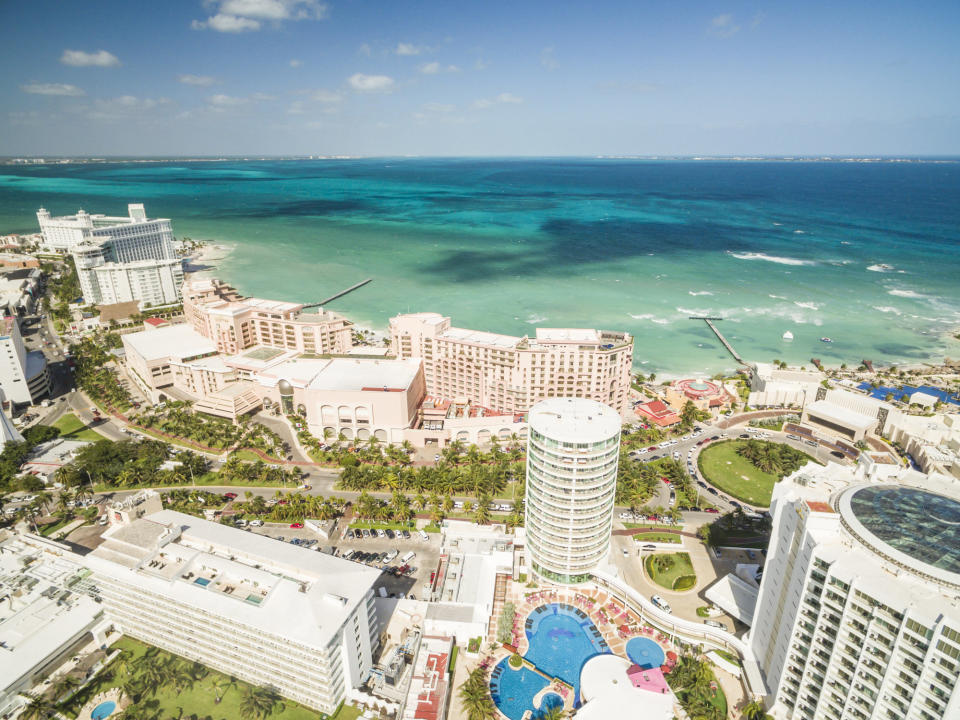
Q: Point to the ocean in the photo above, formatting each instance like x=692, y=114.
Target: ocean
x=867, y=254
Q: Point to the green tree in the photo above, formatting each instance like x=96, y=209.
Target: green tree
x=37, y=708
x=257, y=703
x=475, y=696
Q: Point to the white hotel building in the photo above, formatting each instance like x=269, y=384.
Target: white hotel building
x=858, y=616
x=118, y=259
x=272, y=614
x=572, y=456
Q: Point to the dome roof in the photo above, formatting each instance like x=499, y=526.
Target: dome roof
x=285, y=387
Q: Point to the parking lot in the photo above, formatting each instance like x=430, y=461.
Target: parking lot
x=420, y=567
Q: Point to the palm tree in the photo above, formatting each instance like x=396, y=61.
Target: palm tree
x=754, y=710
x=475, y=696
x=63, y=686
x=257, y=703
x=37, y=708
x=554, y=712
x=221, y=684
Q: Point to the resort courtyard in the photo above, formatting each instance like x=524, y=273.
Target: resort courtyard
x=556, y=632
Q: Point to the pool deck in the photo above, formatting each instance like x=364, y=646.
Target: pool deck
x=112, y=695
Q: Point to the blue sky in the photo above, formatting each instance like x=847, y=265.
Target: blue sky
x=249, y=77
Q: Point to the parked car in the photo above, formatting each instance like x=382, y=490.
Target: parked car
x=256, y=523
x=230, y=496
x=712, y=511
x=296, y=525
x=714, y=623
x=661, y=603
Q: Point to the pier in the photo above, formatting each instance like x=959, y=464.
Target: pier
x=726, y=343
x=340, y=294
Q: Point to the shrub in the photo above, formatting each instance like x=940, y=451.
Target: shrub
x=516, y=661
x=684, y=582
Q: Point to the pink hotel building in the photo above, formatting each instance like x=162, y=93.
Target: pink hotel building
x=510, y=374
x=217, y=312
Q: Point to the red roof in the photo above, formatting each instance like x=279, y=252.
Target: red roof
x=156, y=322
x=658, y=412
x=820, y=507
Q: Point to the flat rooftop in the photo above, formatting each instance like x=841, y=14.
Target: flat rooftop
x=574, y=420
x=357, y=374
x=571, y=335
x=479, y=337
x=248, y=579
x=176, y=341
x=840, y=415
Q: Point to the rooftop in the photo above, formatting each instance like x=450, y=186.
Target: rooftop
x=569, y=335
x=252, y=580
x=576, y=420
x=842, y=416
x=176, y=341
x=480, y=337
x=346, y=374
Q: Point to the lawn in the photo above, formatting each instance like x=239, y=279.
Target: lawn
x=734, y=475
x=71, y=428
x=678, y=576
x=198, y=700
x=656, y=537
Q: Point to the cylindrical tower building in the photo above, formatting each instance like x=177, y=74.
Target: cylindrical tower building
x=572, y=454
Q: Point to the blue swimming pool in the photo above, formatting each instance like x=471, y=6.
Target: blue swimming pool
x=645, y=652
x=880, y=393
x=202, y=582
x=513, y=690
x=562, y=638
x=103, y=710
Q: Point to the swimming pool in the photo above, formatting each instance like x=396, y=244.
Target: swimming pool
x=561, y=639
x=203, y=582
x=645, y=652
x=103, y=710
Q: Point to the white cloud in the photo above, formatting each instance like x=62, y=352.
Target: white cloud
x=501, y=99
x=79, y=58
x=481, y=64
x=53, y=89
x=370, y=83
x=222, y=102
x=365, y=49
x=723, y=26
x=430, y=68
x=296, y=108
x=198, y=80
x=226, y=24
x=296, y=63
x=409, y=49
x=236, y=16
x=547, y=59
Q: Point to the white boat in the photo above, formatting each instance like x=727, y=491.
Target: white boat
x=825, y=339
x=788, y=335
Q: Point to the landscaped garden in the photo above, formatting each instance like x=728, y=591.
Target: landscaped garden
x=748, y=469
x=657, y=537
x=163, y=685
x=673, y=571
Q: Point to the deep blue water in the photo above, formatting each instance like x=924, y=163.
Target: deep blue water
x=864, y=253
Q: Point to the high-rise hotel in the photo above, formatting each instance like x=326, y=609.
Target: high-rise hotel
x=572, y=455
x=858, y=615
x=512, y=374
x=264, y=611
x=118, y=259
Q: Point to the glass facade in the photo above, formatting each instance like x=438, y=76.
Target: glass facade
x=569, y=504
x=921, y=524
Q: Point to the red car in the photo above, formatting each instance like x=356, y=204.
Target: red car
x=296, y=526
x=230, y=496
x=652, y=448
x=282, y=502
x=712, y=510
x=665, y=481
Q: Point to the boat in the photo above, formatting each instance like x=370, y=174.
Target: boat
x=788, y=335
x=825, y=339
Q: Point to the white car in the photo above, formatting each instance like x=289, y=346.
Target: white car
x=256, y=523
x=676, y=455
x=642, y=452
x=661, y=603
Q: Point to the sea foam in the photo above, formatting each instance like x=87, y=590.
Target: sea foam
x=906, y=294
x=701, y=292
x=772, y=258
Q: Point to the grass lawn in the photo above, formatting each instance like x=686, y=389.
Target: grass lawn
x=681, y=568
x=199, y=700
x=71, y=428
x=657, y=537
x=734, y=475
x=648, y=526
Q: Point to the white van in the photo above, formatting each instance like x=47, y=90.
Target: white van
x=408, y=557
x=423, y=535
x=661, y=603
x=383, y=591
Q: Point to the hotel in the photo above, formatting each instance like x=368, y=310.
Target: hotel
x=269, y=613
x=858, y=614
x=572, y=456
x=118, y=259
x=23, y=375
x=510, y=374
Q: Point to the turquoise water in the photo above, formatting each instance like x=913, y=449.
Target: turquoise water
x=863, y=253
x=645, y=652
x=898, y=393
x=513, y=690
x=103, y=710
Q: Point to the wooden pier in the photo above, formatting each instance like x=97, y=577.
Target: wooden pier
x=339, y=294
x=726, y=343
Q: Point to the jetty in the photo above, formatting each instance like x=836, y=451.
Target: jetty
x=726, y=343
x=339, y=294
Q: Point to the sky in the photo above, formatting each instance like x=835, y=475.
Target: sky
x=524, y=77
